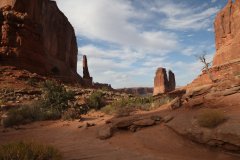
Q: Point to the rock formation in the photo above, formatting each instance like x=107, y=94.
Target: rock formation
x=35, y=35
x=172, y=82
x=88, y=81
x=226, y=62
x=227, y=33
x=85, y=68
x=163, y=83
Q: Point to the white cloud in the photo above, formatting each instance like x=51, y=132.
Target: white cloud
x=126, y=53
x=110, y=21
x=182, y=16
x=213, y=1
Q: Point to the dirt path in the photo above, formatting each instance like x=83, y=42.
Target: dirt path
x=154, y=143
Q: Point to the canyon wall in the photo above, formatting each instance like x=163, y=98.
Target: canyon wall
x=37, y=36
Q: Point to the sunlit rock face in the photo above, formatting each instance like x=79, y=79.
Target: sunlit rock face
x=37, y=36
x=227, y=34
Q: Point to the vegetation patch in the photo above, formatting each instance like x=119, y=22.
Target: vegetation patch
x=56, y=96
x=96, y=100
x=28, y=151
x=161, y=101
x=32, y=82
x=211, y=118
x=237, y=73
x=27, y=114
x=125, y=106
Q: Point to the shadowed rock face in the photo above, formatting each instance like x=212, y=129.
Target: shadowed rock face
x=227, y=33
x=163, y=83
x=88, y=81
x=85, y=67
x=172, y=82
x=35, y=35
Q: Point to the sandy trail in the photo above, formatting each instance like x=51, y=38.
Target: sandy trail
x=154, y=143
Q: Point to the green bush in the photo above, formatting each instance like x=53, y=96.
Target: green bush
x=56, y=96
x=28, y=114
x=71, y=114
x=161, y=101
x=28, y=151
x=96, y=100
x=125, y=106
x=211, y=118
x=32, y=81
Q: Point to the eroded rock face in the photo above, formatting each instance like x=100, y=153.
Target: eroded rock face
x=35, y=35
x=227, y=33
x=163, y=83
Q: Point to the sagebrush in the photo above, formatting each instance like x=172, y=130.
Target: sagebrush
x=211, y=118
x=28, y=151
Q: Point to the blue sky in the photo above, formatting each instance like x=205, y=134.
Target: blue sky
x=127, y=40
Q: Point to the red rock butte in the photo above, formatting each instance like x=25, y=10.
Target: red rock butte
x=37, y=36
x=164, y=83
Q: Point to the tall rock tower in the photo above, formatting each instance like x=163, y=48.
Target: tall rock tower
x=164, y=83
x=88, y=81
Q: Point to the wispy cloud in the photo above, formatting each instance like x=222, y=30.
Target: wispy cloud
x=182, y=16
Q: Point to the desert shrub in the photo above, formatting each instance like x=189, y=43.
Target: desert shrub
x=96, y=100
x=28, y=151
x=211, y=118
x=108, y=109
x=28, y=114
x=237, y=73
x=125, y=106
x=161, y=101
x=56, y=96
x=71, y=114
x=31, y=81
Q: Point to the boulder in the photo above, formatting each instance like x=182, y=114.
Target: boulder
x=175, y=104
x=105, y=132
x=144, y=122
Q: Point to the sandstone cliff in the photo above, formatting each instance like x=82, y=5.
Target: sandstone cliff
x=227, y=34
x=226, y=62
x=36, y=35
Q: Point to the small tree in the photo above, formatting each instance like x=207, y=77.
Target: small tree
x=207, y=65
